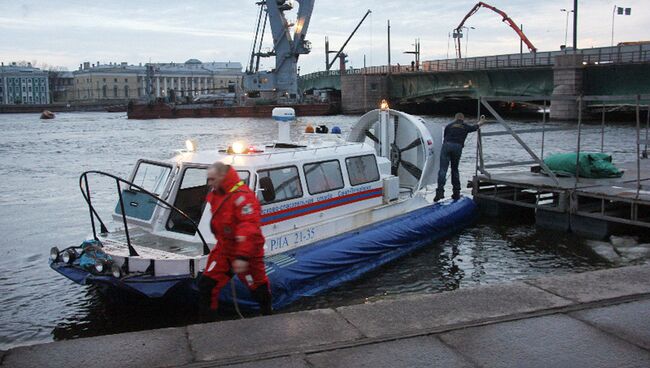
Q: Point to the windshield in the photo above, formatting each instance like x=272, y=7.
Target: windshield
x=152, y=177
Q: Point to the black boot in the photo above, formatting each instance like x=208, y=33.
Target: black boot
x=206, y=314
x=456, y=195
x=262, y=296
x=440, y=194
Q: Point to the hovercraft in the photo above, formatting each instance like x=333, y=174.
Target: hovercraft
x=333, y=209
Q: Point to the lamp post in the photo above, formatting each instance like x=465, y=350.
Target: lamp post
x=448, y=40
x=467, y=40
x=521, y=43
x=620, y=11
x=389, y=61
x=457, y=33
x=416, y=53
x=613, y=17
x=566, y=28
x=575, y=26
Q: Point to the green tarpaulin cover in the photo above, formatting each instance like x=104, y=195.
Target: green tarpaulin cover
x=591, y=165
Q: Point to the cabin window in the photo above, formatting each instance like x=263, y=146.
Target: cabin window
x=190, y=199
x=286, y=183
x=152, y=177
x=323, y=176
x=245, y=176
x=140, y=205
x=362, y=169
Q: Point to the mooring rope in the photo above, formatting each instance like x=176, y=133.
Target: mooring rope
x=234, y=297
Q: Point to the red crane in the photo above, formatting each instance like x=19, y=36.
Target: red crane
x=506, y=19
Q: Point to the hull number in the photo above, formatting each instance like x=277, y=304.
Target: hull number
x=293, y=239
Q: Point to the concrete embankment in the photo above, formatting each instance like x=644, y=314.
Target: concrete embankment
x=62, y=107
x=593, y=319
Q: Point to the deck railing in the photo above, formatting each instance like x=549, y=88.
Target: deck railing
x=85, y=191
x=641, y=143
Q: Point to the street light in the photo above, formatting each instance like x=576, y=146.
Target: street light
x=448, y=40
x=566, y=28
x=620, y=11
x=457, y=33
x=467, y=40
x=416, y=52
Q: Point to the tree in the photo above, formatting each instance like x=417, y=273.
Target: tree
x=58, y=90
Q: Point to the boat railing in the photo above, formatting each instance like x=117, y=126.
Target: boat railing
x=292, y=152
x=85, y=191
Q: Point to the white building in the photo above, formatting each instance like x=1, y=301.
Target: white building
x=23, y=85
x=123, y=81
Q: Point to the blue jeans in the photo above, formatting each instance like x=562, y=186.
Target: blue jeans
x=450, y=152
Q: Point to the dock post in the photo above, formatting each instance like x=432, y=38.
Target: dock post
x=579, y=141
x=647, y=128
x=638, y=146
x=602, y=131
x=543, y=129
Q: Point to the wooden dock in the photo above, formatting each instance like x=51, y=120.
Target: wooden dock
x=590, y=207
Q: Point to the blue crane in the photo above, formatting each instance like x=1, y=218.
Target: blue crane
x=282, y=81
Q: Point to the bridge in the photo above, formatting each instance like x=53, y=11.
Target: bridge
x=619, y=70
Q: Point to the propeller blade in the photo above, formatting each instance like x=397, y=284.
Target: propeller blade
x=417, y=142
x=412, y=169
x=372, y=136
x=396, y=125
x=395, y=158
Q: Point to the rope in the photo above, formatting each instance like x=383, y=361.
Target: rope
x=234, y=297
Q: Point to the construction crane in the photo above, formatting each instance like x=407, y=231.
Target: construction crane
x=458, y=32
x=283, y=79
x=340, y=54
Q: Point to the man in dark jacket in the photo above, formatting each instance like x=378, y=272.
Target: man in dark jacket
x=240, y=243
x=452, y=148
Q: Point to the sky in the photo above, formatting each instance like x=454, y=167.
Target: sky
x=67, y=33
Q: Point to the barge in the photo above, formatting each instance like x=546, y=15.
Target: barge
x=163, y=110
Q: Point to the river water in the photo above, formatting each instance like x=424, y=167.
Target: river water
x=41, y=207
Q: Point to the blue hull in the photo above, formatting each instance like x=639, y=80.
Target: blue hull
x=311, y=270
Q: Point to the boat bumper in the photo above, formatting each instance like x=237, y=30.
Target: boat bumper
x=313, y=269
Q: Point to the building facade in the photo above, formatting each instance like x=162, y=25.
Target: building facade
x=122, y=81
x=23, y=84
x=107, y=82
x=61, y=86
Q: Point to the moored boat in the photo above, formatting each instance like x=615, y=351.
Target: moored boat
x=47, y=114
x=333, y=209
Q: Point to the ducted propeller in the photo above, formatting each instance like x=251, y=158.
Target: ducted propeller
x=396, y=159
x=396, y=155
x=402, y=142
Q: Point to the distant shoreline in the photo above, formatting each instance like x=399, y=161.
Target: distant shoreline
x=59, y=107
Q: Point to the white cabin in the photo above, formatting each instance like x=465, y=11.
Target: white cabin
x=321, y=187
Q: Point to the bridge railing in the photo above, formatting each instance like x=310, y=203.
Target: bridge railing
x=594, y=56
